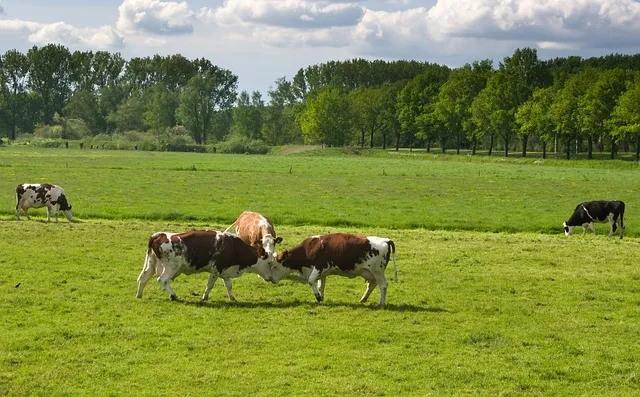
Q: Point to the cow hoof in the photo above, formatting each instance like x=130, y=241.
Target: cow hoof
x=319, y=298
x=173, y=297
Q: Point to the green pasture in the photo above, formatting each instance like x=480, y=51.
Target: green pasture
x=394, y=190
x=492, y=299
x=472, y=314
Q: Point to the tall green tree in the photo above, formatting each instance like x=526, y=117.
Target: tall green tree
x=325, y=118
x=453, y=107
x=366, y=105
x=597, y=103
x=533, y=116
x=280, y=115
x=625, y=117
x=129, y=115
x=205, y=95
x=14, y=72
x=418, y=98
x=83, y=105
x=565, y=109
x=50, y=78
x=247, y=115
x=161, y=105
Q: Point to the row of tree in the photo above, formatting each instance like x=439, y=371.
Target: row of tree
x=524, y=102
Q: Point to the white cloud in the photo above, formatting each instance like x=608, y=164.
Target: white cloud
x=104, y=37
x=1, y=10
x=155, y=17
x=589, y=23
x=299, y=14
x=283, y=37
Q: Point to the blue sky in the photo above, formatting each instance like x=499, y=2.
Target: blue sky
x=262, y=40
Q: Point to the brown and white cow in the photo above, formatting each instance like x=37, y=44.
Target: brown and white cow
x=36, y=195
x=256, y=230
x=221, y=254
x=343, y=254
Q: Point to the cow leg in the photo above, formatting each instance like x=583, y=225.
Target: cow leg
x=227, y=284
x=321, y=284
x=313, y=277
x=381, y=280
x=26, y=213
x=148, y=270
x=213, y=276
x=18, y=209
x=593, y=228
x=612, y=225
x=371, y=285
x=584, y=228
x=165, y=279
x=48, y=217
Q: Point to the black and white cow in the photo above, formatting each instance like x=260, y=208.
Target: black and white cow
x=36, y=195
x=342, y=254
x=589, y=212
x=221, y=254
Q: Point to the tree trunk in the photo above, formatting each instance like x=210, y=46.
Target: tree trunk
x=590, y=148
x=525, y=139
x=411, y=145
x=544, y=149
x=397, y=140
x=371, y=145
x=458, y=143
x=428, y=145
x=637, y=147
x=568, y=149
x=473, y=148
x=491, y=145
x=506, y=146
x=384, y=141
x=613, y=149
x=362, y=140
x=443, y=144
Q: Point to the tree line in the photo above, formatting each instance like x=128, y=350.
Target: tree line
x=572, y=104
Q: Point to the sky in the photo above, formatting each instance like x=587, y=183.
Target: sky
x=263, y=40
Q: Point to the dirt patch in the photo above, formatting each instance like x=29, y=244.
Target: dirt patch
x=299, y=148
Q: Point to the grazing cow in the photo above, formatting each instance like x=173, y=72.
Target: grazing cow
x=343, y=254
x=36, y=195
x=219, y=253
x=256, y=230
x=589, y=212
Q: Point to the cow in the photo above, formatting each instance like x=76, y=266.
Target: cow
x=221, y=254
x=343, y=254
x=36, y=195
x=256, y=230
x=589, y=212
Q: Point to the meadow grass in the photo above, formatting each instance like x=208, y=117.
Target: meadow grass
x=472, y=313
x=385, y=189
x=485, y=305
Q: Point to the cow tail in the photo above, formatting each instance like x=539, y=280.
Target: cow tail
x=392, y=248
x=230, y=226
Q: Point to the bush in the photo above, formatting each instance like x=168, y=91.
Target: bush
x=240, y=145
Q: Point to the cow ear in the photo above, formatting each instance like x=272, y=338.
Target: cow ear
x=278, y=240
x=283, y=256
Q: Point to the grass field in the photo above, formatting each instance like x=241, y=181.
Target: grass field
x=478, y=310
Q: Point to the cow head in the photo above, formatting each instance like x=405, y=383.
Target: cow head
x=278, y=269
x=68, y=214
x=65, y=207
x=269, y=243
x=263, y=265
x=568, y=230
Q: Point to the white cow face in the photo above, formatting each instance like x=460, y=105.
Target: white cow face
x=263, y=265
x=269, y=243
x=568, y=230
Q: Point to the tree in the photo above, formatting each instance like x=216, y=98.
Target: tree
x=366, y=105
x=14, y=72
x=84, y=106
x=206, y=94
x=129, y=115
x=161, y=108
x=417, y=98
x=247, y=115
x=453, y=107
x=625, y=117
x=389, y=123
x=325, y=118
x=50, y=78
x=533, y=116
x=597, y=103
x=279, y=116
x=564, y=110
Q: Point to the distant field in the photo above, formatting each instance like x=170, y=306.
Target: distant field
x=326, y=187
x=492, y=299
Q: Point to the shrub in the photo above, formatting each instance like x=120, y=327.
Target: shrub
x=240, y=144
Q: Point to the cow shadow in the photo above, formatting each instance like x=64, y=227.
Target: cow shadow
x=402, y=307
